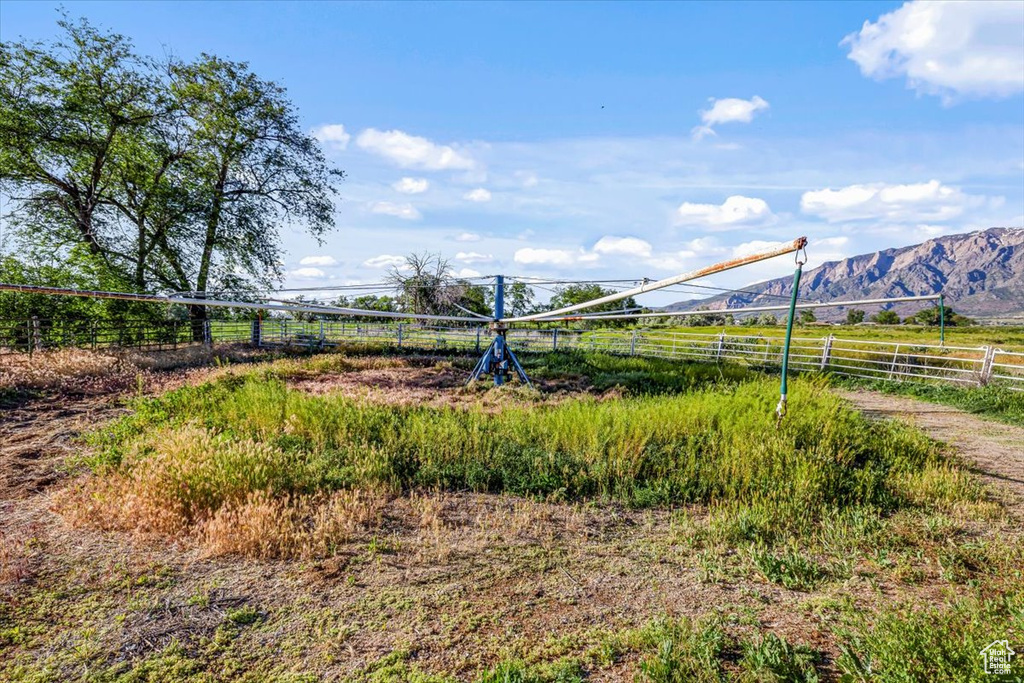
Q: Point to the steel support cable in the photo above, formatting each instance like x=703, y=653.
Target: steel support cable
x=789, y=248
x=190, y=301
x=379, y=286
x=620, y=285
x=740, y=311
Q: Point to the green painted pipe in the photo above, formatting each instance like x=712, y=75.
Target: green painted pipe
x=780, y=410
x=942, y=320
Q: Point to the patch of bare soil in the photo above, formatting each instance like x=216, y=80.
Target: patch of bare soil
x=51, y=398
x=995, y=450
x=37, y=438
x=423, y=381
x=459, y=580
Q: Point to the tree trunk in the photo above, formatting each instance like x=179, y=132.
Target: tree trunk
x=197, y=318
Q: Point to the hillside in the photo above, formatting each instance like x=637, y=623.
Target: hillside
x=981, y=274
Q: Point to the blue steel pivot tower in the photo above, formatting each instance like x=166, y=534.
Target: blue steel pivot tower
x=498, y=360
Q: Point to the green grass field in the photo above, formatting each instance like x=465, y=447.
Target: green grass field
x=972, y=336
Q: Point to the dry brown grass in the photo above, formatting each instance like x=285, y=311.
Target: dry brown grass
x=20, y=555
x=99, y=372
x=53, y=369
x=264, y=526
x=231, y=496
x=184, y=481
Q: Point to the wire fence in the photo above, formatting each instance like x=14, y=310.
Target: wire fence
x=879, y=360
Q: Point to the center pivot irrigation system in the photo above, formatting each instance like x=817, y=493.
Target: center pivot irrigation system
x=498, y=359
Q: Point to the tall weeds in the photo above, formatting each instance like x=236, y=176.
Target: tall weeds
x=222, y=453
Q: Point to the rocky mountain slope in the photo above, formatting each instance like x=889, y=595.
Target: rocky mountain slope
x=981, y=274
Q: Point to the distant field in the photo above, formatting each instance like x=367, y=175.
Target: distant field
x=977, y=335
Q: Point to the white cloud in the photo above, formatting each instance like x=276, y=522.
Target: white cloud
x=478, y=195
x=753, y=247
x=829, y=248
x=728, y=110
x=548, y=257
x=404, y=211
x=308, y=273
x=698, y=252
x=952, y=49
x=473, y=257
x=333, y=136
x=411, y=151
x=384, y=261
x=318, y=261
x=467, y=237
x=831, y=242
x=690, y=257
x=734, y=211
x=412, y=185
x=467, y=272
x=623, y=246
x=931, y=201
x=527, y=178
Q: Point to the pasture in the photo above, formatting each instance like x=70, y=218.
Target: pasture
x=360, y=515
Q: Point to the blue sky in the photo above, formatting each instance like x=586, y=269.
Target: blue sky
x=624, y=140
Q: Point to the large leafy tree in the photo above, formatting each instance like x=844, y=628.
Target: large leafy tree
x=65, y=111
x=570, y=295
x=174, y=176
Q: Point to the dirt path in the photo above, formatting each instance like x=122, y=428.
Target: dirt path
x=995, y=449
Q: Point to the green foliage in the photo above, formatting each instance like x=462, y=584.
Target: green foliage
x=941, y=643
x=243, y=616
x=807, y=316
x=684, y=651
x=792, y=569
x=570, y=295
x=519, y=299
x=715, y=443
x=931, y=316
x=854, y=316
x=886, y=318
x=171, y=176
x=772, y=658
x=517, y=671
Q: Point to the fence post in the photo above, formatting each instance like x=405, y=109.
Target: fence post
x=92, y=334
x=826, y=351
x=478, y=339
x=718, y=347
x=207, y=333
x=986, y=365
x=554, y=340
x=35, y=342
x=632, y=344
x=400, y=328
x=895, y=359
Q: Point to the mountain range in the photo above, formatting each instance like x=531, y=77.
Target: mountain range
x=980, y=273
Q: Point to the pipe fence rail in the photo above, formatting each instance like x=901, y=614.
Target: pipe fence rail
x=869, y=359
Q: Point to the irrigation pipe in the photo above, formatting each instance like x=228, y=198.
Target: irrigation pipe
x=789, y=248
x=733, y=311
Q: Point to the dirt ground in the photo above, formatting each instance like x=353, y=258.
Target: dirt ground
x=449, y=582
x=427, y=381
x=995, y=449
